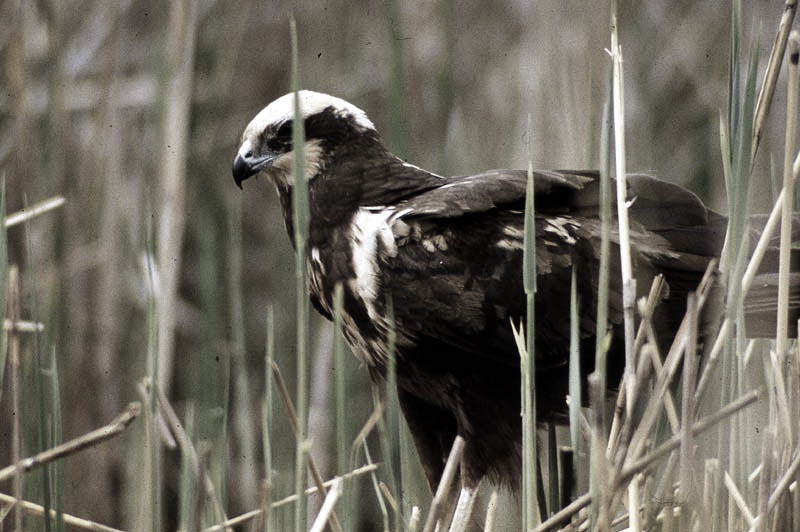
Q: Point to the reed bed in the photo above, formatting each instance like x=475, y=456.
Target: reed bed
x=197, y=433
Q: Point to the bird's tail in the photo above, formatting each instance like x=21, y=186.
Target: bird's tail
x=761, y=301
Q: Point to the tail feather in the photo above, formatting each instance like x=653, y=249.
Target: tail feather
x=761, y=302
x=761, y=305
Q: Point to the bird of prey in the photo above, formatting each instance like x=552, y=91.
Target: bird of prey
x=439, y=262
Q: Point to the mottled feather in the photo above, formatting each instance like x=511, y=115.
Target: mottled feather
x=438, y=262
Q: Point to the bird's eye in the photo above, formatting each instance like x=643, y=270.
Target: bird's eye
x=248, y=154
x=279, y=140
x=285, y=131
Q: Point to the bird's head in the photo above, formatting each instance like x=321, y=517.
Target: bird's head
x=329, y=123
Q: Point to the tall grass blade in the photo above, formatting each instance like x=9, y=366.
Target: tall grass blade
x=3, y=283
x=15, y=379
x=390, y=440
x=734, y=78
x=267, y=412
x=340, y=392
x=189, y=495
x=56, y=477
x=42, y=432
x=149, y=476
x=300, y=223
x=604, y=273
x=598, y=378
x=575, y=399
x=176, y=93
x=209, y=377
x=244, y=419
x=527, y=351
x=397, y=139
x=790, y=149
x=553, y=493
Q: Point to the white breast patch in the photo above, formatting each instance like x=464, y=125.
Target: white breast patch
x=371, y=236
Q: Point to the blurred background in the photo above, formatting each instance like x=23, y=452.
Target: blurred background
x=158, y=265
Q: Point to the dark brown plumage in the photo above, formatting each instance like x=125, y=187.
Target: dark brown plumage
x=447, y=253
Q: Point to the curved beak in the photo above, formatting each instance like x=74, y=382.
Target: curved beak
x=245, y=166
x=241, y=170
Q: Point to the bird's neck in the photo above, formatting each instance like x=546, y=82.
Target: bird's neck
x=339, y=191
x=394, y=181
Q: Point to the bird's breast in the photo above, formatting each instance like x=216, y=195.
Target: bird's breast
x=351, y=255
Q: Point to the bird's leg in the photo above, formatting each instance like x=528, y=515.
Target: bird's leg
x=466, y=499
